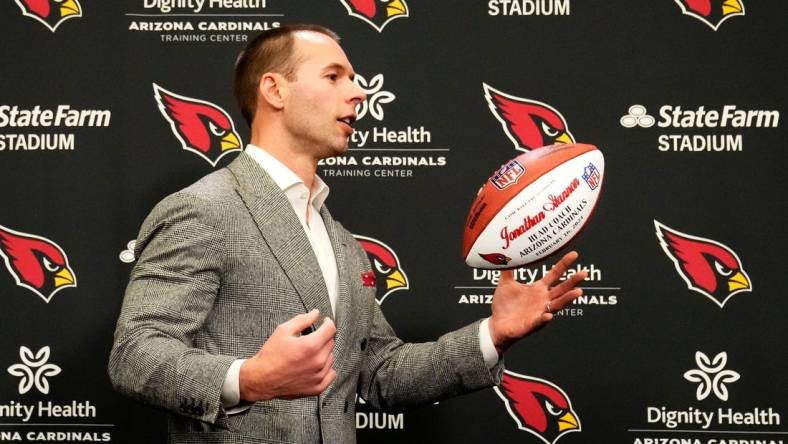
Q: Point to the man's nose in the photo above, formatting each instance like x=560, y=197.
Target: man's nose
x=358, y=94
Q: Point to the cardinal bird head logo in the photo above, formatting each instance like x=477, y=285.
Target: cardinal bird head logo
x=529, y=124
x=389, y=276
x=36, y=263
x=538, y=406
x=377, y=13
x=51, y=12
x=496, y=258
x=708, y=267
x=202, y=127
x=712, y=12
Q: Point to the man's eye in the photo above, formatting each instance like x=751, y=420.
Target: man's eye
x=333, y=77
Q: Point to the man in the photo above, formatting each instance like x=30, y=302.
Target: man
x=221, y=321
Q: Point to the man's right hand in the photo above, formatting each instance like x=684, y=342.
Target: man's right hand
x=290, y=365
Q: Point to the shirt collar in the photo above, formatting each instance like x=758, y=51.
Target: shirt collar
x=285, y=178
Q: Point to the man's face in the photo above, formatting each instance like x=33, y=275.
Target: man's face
x=319, y=107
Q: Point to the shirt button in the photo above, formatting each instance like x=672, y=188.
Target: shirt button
x=303, y=196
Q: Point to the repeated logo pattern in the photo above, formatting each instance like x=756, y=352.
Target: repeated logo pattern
x=637, y=116
x=376, y=96
x=34, y=370
x=707, y=266
x=51, y=13
x=376, y=13
x=529, y=124
x=711, y=376
x=36, y=263
x=711, y=12
x=202, y=127
x=538, y=406
x=388, y=273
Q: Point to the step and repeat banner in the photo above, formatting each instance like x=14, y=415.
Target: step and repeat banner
x=680, y=334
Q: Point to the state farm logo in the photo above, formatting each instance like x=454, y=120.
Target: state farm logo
x=529, y=124
x=202, y=127
x=637, y=116
x=379, y=149
x=707, y=266
x=36, y=263
x=22, y=118
x=376, y=13
x=376, y=97
x=388, y=273
x=538, y=406
x=51, y=13
x=34, y=370
x=127, y=256
x=711, y=12
x=528, y=7
x=683, y=120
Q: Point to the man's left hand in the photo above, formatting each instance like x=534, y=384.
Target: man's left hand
x=519, y=309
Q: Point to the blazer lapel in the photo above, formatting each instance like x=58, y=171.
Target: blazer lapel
x=343, y=295
x=282, y=231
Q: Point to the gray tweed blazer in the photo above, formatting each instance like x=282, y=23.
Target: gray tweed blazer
x=220, y=265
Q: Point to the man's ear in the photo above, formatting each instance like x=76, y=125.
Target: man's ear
x=273, y=89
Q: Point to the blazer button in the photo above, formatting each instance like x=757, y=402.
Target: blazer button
x=363, y=344
x=347, y=406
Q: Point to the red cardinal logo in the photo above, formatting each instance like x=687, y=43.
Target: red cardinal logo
x=389, y=276
x=538, y=406
x=36, y=263
x=496, y=258
x=377, y=13
x=708, y=267
x=528, y=123
x=202, y=127
x=711, y=12
x=50, y=12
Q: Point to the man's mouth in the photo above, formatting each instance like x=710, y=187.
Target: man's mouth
x=348, y=120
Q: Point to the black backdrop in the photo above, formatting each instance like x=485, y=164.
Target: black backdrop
x=620, y=355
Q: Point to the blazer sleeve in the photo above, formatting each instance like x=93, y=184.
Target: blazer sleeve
x=396, y=375
x=171, y=291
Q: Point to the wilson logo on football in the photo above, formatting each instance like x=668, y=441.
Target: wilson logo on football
x=378, y=13
x=712, y=12
x=529, y=124
x=202, y=127
x=50, y=12
x=36, y=263
x=538, y=406
x=388, y=274
x=707, y=266
x=507, y=175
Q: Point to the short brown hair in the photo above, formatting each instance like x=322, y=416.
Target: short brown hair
x=271, y=51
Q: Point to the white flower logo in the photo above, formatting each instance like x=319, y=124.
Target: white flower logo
x=34, y=370
x=375, y=97
x=711, y=376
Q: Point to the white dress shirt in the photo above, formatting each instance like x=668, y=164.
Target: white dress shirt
x=307, y=204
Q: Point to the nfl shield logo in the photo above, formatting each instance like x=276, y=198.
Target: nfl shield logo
x=507, y=175
x=591, y=176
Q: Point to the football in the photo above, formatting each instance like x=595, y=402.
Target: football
x=533, y=205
